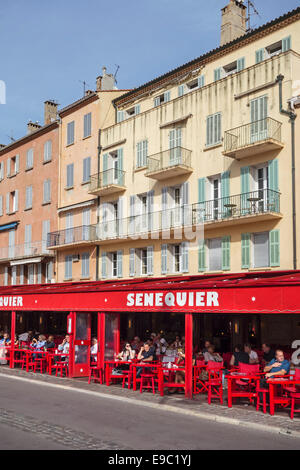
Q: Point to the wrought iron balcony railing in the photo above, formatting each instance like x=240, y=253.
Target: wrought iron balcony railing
x=252, y=133
x=232, y=207
x=84, y=233
x=107, y=178
x=23, y=250
x=177, y=156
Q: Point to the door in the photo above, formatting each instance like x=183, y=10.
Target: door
x=81, y=344
x=86, y=221
x=262, y=188
x=69, y=228
x=175, y=146
x=216, y=183
x=176, y=219
x=112, y=335
x=259, y=122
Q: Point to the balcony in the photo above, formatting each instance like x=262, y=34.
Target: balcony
x=107, y=182
x=169, y=164
x=253, y=139
x=242, y=208
x=78, y=236
x=25, y=250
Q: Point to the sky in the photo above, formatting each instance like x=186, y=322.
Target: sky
x=48, y=47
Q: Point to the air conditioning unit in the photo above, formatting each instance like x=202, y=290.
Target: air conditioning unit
x=76, y=258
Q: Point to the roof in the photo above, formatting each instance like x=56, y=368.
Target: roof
x=77, y=104
x=207, y=281
x=291, y=16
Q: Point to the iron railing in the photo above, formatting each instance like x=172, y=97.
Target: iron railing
x=240, y=205
x=168, y=159
x=83, y=233
x=106, y=178
x=25, y=249
x=249, y=134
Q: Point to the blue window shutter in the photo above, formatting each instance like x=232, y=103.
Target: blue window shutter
x=217, y=74
x=225, y=192
x=245, y=250
x=286, y=43
x=120, y=263
x=120, y=167
x=201, y=256
x=226, y=253
x=259, y=55
x=104, y=265
x=150, y=260
x=181, y=90
x=274, y=248
x=167, y=96
x=137, y=109
x=185, y=257
x=105, y=169
x=273, y=175
x=164, y=266
x=201, y=81
x=131, y=262
x=240, y=64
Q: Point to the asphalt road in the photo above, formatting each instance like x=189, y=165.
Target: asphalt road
x=39, y=417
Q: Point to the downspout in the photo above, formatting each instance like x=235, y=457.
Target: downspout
x=292, y=117
x=99, y=148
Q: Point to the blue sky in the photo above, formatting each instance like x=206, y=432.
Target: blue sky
x=47, y=47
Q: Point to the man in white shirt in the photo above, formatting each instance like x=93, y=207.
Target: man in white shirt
x=253, y=357
x=94, y=350
x=65, y=346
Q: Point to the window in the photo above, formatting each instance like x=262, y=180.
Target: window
x=30, y=274
x=85, y=265
x=87, y=125
x=28, y=197
x=1, y=171
x=49, y=272
x=14, y=275
x=29, y=159
x=45, y=231
x=48, y=151
x=273, y=49
x=142, y=153
x=196, y=83
x=143, y=262
x=12, y=202
x=47, y=191
x=28, y=236
x=175, y=258
x=70, y=133
x=218, y=73
x=213, y=129
x=86, y=176
x=68, y=267
x=70, y=175
x=218, y=251
x=114, y=264
x=120, y=116
x=260, y=249
x=13, y=165
x=164, y=98
x=133, y=111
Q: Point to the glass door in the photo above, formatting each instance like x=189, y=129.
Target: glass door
x=81, y=345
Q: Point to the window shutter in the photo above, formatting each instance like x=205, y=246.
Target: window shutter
x=286, y=43
x=120, y=116
x=240, y=64
x=46, y=230
x=39, y=273
x=139, y=154
x=16, y=200
x=131, y=262
x=1, y=171
x=217, y=125
x=167, y=96
x=137, y=109
x=201, y=81
x=7, y=203
x=105, y=169
x=226, y=253
x=201, y=256
x=185, y=257
x=17, y=163
x=156, y=101
x=273, y=175
x=259, y=55
x=70, y=175
x=1, y=205
x=85, y=265
x=70, y=133
x=87, y=125
x=274, y=248
x=120, y=167
x=8, y=168
x=149, y=260
x=104, y=265
x=120, y=263
x=86, y=170
x=165, y=209
x=181, y=90
x=21, y=274
x=245, y=250
x=164, y=266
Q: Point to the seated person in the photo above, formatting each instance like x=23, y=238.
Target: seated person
x=253, y=357
x=211, y=355
x=161, y=344
x=239, y=356
x=136, y=343
x=269, y=353
x=64, y=346
x=49, y=344
x=207, y=344
x=94, y=350
x=145, y=355
x=277, y=367
x=177, y=343
x=5, y=341
x=127, y=354
x=39, y=343
x=26, y=337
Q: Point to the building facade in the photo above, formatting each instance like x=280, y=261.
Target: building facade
x=28, y=203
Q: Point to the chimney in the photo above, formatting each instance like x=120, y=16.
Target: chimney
x=50, y=112
x=2, y=146
x=233, y=21
x=89, y=92
x=32, y=127
x=106, y=81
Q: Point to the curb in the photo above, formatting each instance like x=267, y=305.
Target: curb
x=163, y=407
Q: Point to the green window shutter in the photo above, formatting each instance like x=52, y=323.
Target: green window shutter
x=240, y=64
x=167, y=96
x=225, y=193
x=185, y=257
x=217, y=74
x=105, y=169
x=226, y=253
x=104, y=265
x=181, y=90
x=120, y=167
x=274, y=248
x=286, y=44
x=245, y=250
x=201, y=81
x=245, y=188
x=259, y=55
x=201, y=256
x=273, y=175
x=201, y=189
x=137, y=109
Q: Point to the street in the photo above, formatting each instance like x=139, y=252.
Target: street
x=41, y=417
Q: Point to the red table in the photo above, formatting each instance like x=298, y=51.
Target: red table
x=170, y=373
x=278, y=399
x=155, y=368
x=110, y=365
x=51, y=356
x=234, y=392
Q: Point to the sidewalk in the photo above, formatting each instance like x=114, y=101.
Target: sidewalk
x=238, y=415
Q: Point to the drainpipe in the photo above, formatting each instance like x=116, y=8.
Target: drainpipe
x=292, y=117
x=99, y=148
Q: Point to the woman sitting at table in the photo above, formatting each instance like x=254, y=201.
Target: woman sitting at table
x=211, y=355
x=127, y=354
x=5, y=341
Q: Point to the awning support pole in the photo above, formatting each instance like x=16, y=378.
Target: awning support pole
x=189, y=355
x=12, y=337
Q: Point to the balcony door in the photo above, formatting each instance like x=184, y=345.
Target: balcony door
x=176, y=205
x=86, y=221
x=259, y=114
x=69, y=228
x=261, y=187
x=175, y=146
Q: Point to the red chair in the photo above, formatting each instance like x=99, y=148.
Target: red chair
x=147, y=381
x=95, y=373
x=215, y=386
x=264, y=392
x=61, y=367
x=200, y=384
